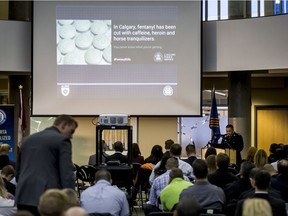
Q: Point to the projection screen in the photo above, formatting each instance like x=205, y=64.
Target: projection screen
x=141, y=58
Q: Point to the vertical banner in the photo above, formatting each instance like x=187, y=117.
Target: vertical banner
x=7, y=127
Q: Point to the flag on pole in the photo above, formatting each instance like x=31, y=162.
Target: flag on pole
x=21, y=118
x=214, y=120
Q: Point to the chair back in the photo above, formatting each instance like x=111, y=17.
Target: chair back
x=161, y=214
x=86, y=174
x=99, y=214
x=143, y=179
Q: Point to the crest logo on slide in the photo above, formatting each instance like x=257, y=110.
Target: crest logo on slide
x=158, y=57
x=65, y=90
x=3, y=117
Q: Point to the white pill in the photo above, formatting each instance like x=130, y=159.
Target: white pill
x=75, y=58
x=83, y=41
x=66, y=45
x=67, y=31
x=107, y=54
x=59, y=56
x=82, y=25
x=93, y=56
x=101, y=42
x=65, y=22
x=99, y=27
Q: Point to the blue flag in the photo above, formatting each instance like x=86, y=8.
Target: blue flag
x=214, y=120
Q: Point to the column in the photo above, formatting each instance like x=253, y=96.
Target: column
x=239, y=105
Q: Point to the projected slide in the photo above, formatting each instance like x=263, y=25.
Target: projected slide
x=123, y=54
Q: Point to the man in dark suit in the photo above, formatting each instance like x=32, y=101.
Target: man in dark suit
x=168, y=144
x=44, y=162
x=191, y=154
x=118, y=156
x=92, y=158
x=262, y=182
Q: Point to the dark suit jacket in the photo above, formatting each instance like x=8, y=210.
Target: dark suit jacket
x=118, y=156
x=190, y=159
x=221, y=178
x=277, y=205
x=92, y=159
x=44, y=162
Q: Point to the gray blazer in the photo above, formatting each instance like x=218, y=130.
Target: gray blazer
x=44, y=162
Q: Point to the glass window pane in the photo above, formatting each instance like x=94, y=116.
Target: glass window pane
x=254, y=8
x=212, y=9
x=203, y=10
x=224, y=9
x=262, y=7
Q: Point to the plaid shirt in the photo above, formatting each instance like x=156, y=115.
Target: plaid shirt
x=158, y=185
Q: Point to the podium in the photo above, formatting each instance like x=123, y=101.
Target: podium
x=230, y=152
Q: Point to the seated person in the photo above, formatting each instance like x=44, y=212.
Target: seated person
x=191, y=154
x=4, y=154
x=118, y=156
x=7, y=206
x=92, y=158
x=8, y=174
x=103, y=197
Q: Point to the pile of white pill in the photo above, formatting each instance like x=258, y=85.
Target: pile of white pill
x=83, y=42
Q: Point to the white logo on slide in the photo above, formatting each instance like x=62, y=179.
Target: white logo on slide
x=65, y=90
x=158, y=57
x=167, y=91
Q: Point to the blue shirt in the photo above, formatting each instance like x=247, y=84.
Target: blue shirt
x=104, y=198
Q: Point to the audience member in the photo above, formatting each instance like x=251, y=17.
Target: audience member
x=155, y=156
x=261, y=185
x=260, y=158
x=209, y=196
x=162, y=168
x=256, y=207
x=191, y=154
x=92, y=158
x=272, y=150
x=4, y=154
x=118, y=156
x=168, y=144
x=169, y=196
x=188, y=207
x=222, y=176
x=53, y=202
x=159, y=184
x=280, y=182
x=45, y=161
x=268, y=167
x=76, y=211
x=234, y=189
x=211, y=161
x=250, y=154
x=73, y=197
x=103, y=197
x=175, y=151
x=136, y=154
x=7, y=205
x=280, y=154
x=210, y=151
x=8, y=174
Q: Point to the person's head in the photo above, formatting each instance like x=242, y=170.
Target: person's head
x=3, y=191
x=175, y=150
x=252, y=175
x=190, y=149
x=168, y=144
x=229, y=130
x=73, y=197
x=103, y=174
x=223, y=161
x=268, y=167
x=188, y=207
x=262, y=180
x=256, y=207
x=156, y=154
x=5, y=149
x=260, y=158
x=273, y=148
x=118, y=146
x=171, y=163
x=211, y=163
x=210, y=151
x=251, y=153
x=66, y=125
x=76, y=211
x=53, y=202
x=8, y=172
x=175, y=173
x=282, y=167
x=135, y=150
x=280, y=154
x=200, y=169
x=246, y=168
